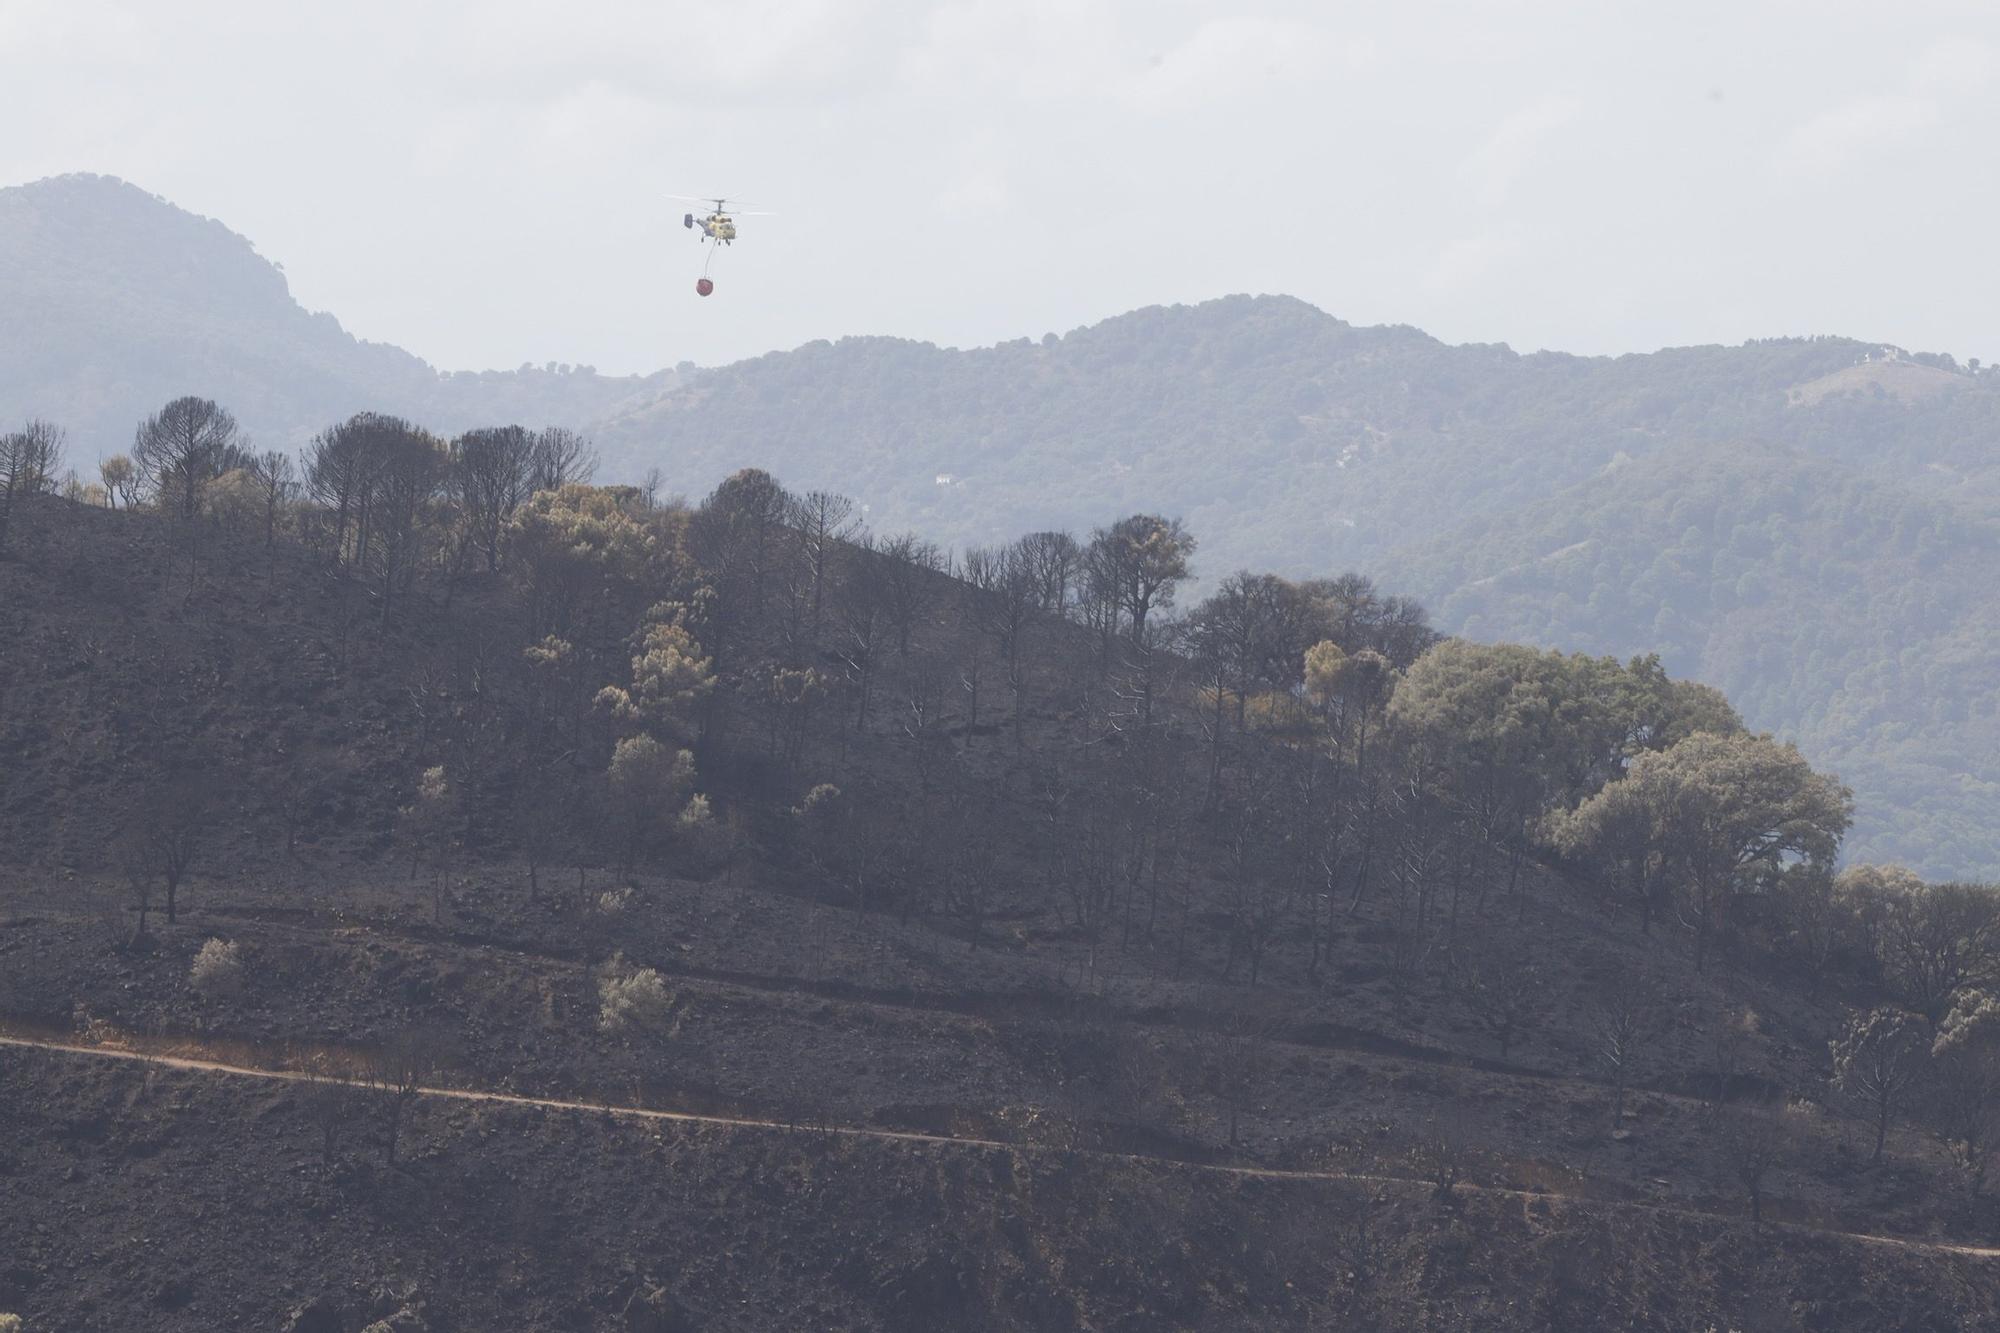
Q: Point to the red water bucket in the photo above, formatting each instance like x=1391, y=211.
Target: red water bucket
x=703, y=286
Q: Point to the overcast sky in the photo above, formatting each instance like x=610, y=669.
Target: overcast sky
x=486, y=183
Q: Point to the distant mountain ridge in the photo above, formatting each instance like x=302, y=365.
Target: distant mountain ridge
x=1728, y=506
x=122, y=301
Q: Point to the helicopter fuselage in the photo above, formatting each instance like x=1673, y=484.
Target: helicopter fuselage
x=714, y=227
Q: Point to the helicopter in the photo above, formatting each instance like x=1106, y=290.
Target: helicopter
x=718, y=226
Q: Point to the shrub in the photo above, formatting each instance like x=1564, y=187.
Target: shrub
x=706, y=839
x=218, y=970
x=10, y=1323
x=1442, y=1152
x=630, y=997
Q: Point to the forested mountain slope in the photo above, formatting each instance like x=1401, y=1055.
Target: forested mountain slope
x=1802, y=522
x=1292, y=440
x=1288, y=439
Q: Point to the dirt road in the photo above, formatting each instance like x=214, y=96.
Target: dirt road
x=201, y=1064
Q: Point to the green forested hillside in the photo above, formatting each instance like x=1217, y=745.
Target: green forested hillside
x=1293, y=440
x=1852, y=613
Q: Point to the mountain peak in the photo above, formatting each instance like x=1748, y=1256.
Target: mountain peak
x=87, y=224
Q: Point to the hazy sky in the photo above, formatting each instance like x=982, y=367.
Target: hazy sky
x=485, y=183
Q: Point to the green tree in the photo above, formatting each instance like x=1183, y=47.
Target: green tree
x=1965, y=1093
x=670, y=676
x=121, y=481
x=1617, y=832
x=1710, y=810
x=1496, y=722
x=570, y=546
x=649, y=784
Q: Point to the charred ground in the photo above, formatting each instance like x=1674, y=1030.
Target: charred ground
x=1093, y=890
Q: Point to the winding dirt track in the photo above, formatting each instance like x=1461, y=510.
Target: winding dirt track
x=200, y=1065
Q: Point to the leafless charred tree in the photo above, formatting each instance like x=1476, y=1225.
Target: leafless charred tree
x=1203, y=640
x=167, y=833
x=1504, y=994
x=736, y=537
x=277, y=484
x=1360, y=617
x=1091, y=862
x=342, y=463
x=963, y=865
x=1233, y=1051
x=329, y=1099
x=405, y=486
x=136, y=869
x=397, y=1072
x=971, y=675
x=1442, y=1151
x=1729, y=1052
x=1001, y=594
x=492, y=473
x=291, y=795
x=912, y=571
x=1240, y=627
x=561, y=458
x=1753, y=1139
x=822, y=522
x=539, y=802
x=29, y=458
x=1087, y=1071
x=1877, y=1061
x=862, y=612
x=1260, y=892
x=925, y=688
x=1620, y=1027
x=1054, y=561
x=1353, y=1239
x=189, y=443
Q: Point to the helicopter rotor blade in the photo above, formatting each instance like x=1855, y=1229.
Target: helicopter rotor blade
x=725, y=205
